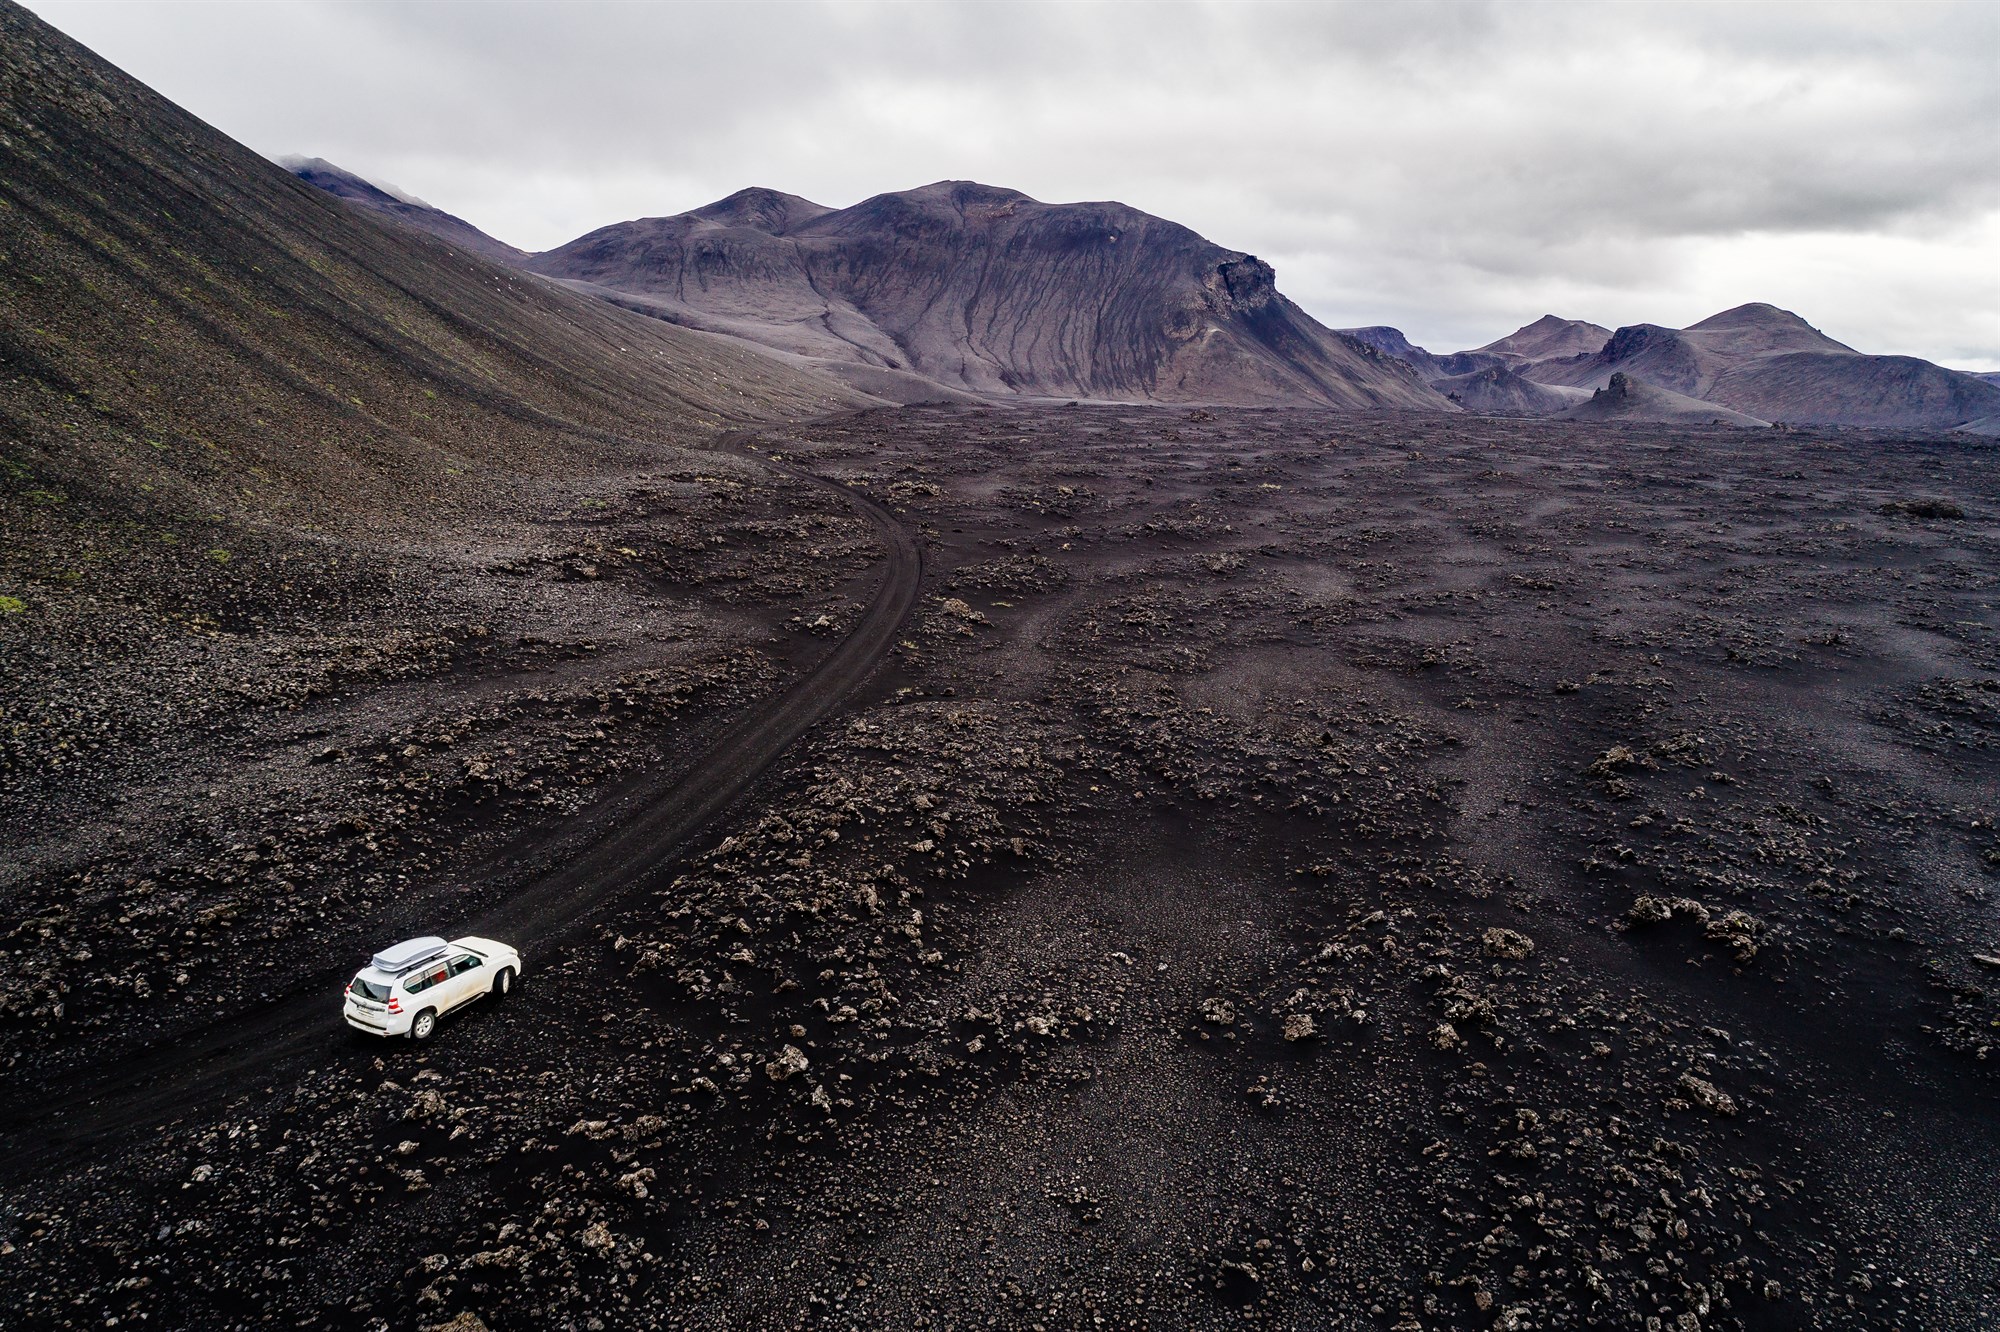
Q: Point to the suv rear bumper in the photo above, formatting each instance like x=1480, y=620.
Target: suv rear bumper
x=376, y=1025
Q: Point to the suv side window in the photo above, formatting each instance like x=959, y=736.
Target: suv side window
x=461, y=965
x=419, y=983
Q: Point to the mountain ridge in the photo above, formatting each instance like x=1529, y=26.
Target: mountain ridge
x=989, y=291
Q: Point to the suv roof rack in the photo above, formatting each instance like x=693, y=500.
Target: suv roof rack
x=408, y=954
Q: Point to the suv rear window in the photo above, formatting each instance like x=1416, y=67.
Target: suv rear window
x=368, y=989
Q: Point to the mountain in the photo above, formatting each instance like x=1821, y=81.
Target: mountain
x=319, y=172
x=1626, y=398
x=988, y=291
x=1548, y=338
x=1771, y=364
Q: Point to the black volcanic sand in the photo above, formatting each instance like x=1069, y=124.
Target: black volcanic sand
x=1295, y=871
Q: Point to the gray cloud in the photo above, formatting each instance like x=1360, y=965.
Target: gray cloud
x=1455, y=169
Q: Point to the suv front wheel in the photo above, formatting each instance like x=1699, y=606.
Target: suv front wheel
x=423, y=1025
x=503, y=984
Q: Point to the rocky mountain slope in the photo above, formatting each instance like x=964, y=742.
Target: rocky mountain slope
x=1499, y=379
x=989, y=291
x=344, y=184
x=185, y=325
x=1431, y=365
x=1550, y=339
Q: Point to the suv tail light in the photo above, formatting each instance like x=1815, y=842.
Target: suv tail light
x=395, y=1004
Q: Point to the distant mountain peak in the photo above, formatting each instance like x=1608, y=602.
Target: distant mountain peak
x=1754, y=314
x=969, y=194
x=767, y=210
x=1548, y=337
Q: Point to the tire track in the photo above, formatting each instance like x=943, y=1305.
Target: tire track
x=578, y=867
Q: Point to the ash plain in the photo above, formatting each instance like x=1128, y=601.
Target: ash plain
x=1294, y=869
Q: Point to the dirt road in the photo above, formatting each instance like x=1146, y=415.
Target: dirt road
x=543, y=894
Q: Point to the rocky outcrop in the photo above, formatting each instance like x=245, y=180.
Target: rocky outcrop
x=988, y=291
x=1627, y=398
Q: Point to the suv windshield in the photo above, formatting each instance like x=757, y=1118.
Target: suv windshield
x=368, y=989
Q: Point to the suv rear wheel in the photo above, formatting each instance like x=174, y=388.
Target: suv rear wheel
x=503, y=984
x=423, y=1025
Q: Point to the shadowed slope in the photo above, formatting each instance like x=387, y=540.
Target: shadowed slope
x=987, y=290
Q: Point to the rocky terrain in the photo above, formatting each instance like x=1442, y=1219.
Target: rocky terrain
x=987, y=291
x=1292, y=870
x=994, y=864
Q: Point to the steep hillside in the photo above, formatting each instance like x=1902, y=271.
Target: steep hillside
x=183, y=323
x=1769, y=363
x=257, y=448
x=989, y=291
x=343, y=184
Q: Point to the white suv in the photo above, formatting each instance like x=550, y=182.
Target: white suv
x=404, y=990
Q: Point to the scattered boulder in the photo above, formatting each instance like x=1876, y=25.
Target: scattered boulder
x=1692, y=1092
x=1500, y=941
x=790, y=1060
x=1218, y=1011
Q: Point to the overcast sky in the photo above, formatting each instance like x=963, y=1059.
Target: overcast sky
x=1455, y=169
